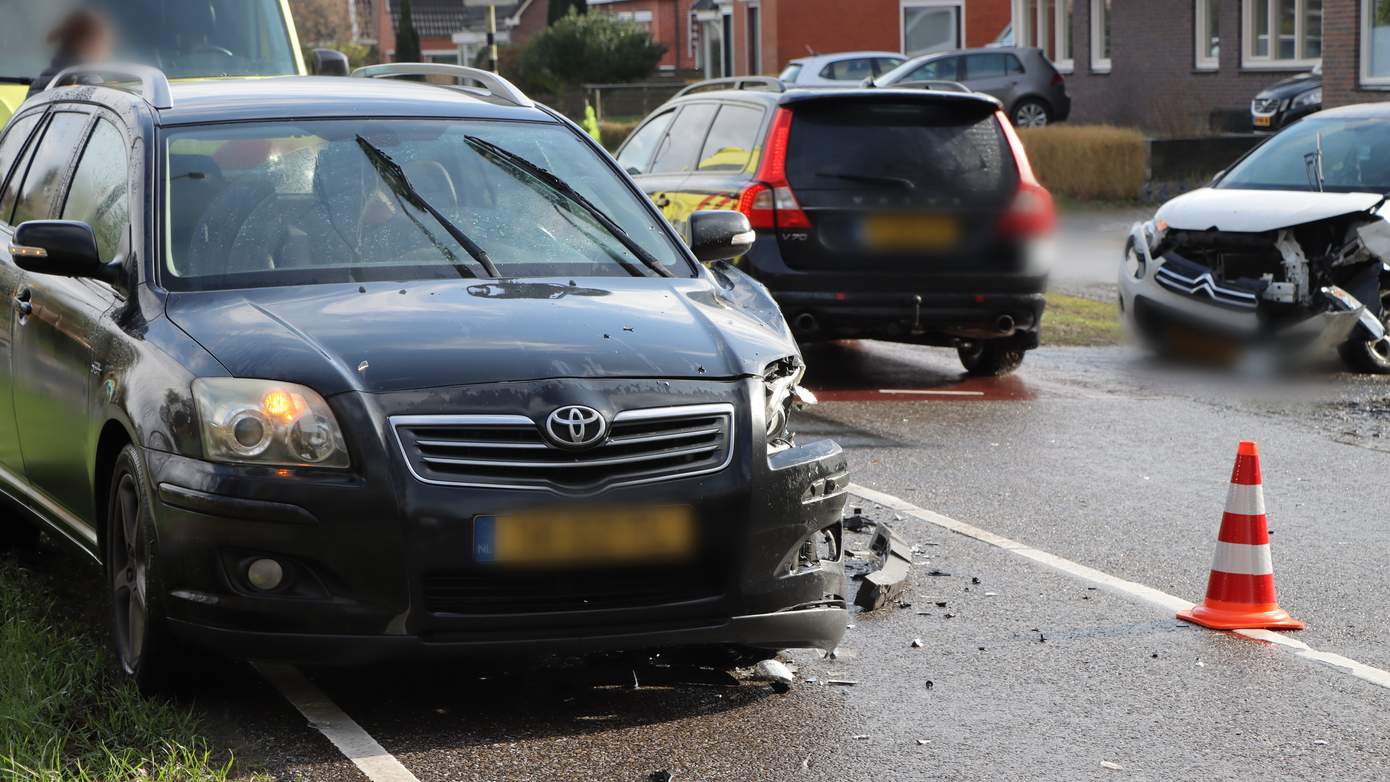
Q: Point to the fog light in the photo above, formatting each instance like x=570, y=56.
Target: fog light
x=265, y=574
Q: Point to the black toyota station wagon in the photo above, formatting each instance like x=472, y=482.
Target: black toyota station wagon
x=347, y=369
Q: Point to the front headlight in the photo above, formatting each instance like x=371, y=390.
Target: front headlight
x=782, y=390
x=267, y=422
x=1309, y=98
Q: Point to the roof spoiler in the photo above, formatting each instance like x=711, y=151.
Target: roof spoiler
x=492, y=85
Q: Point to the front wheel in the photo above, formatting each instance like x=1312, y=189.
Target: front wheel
x=143, y=647
x=989, y=359
x=1031, y=113
x=1369, y=355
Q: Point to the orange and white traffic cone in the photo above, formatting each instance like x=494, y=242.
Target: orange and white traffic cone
x=1240, y=593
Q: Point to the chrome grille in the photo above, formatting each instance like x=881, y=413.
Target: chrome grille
x=509, y=451
x=1205, y=285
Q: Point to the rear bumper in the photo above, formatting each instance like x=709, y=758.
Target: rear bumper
x=932, y=318
x=819, y=627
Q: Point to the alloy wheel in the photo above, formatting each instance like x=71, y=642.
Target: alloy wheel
x=1030, y=115
x=129, y=573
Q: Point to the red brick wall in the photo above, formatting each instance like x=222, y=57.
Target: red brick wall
x=1341, y=60
x=668, y=26
x=532, y=21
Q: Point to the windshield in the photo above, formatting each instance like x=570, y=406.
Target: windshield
x=1350, y=155
x=355, y=200
x=184, y=38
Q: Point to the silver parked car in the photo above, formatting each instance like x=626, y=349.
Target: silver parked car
x=1031, y=89
x=844, y=69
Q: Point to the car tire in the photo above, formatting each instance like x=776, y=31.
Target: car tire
x=1031, y=113
x=144, y=649
x=989, y=359
x=1369, y=356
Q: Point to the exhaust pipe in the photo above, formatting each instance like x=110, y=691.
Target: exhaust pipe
x=805, y=323
x=1004, y=323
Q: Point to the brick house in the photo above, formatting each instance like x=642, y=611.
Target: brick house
x=1182, y=66
x=450, y=32
x=739, y=37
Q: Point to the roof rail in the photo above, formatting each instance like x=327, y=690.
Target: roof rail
x=937, y=85
x=154, y=85
x=494, y=85
x=764, y=83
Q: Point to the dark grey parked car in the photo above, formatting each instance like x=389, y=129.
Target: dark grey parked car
x=1031, y=89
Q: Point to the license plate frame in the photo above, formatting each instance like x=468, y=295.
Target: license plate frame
x=586, y=536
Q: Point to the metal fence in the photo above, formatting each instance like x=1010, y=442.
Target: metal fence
x=618, y=101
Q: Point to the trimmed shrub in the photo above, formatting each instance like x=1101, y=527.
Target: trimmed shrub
x=1088, y=162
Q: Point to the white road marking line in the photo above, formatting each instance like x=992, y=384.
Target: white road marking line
x=1138, y=592
x=325, y=716
x=929, y=392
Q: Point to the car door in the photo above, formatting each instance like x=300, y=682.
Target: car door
x=55, y=371
x=16, y=147
x=989, y=73
x=675, y=159
x=728, y=158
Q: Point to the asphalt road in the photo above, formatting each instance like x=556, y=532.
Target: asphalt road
x=1097, y=456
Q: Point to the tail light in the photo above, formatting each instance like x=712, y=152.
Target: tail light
x=769, y=202
x=1057, y=79
x=1031, y=213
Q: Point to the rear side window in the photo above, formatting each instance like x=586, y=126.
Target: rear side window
x=1013, y=65
x=947, y=68
x=11, y=188
x=885, y=64
x=792, y=71
x=986, y=66
x=929, y=151
x=848, y=70
x=684, y=141
x=732, y=141
x=98, y=193
x=45, y=178
x=638, y=151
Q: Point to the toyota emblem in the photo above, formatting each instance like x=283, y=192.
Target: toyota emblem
x=576, y=426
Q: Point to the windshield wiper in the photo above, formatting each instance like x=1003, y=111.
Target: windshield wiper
x=394, y=176
x=496, y=154
x=906, y=184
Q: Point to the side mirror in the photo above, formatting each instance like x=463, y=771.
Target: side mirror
x=64, y=248
x=330, y=62
x=718, y=234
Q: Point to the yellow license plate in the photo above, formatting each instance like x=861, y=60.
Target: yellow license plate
x=916, y=232
x=586, y=536
x=1263, y=122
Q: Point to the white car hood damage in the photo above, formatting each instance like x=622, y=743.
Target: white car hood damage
x=1255, y=211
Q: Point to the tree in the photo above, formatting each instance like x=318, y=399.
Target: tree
x=559, y=9
x=593, y=48
x=407, y=40
x=321, y=22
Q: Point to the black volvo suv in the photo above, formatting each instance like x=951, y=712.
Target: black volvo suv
x=341, y=369
x=899, y=214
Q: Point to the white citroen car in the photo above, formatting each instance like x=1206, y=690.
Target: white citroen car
x=1289, y=244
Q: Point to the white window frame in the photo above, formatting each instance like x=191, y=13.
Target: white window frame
x=1025, y=24
x=1249, y=61
x=1100, y=64
x=903, y=5
x=1201, y=37
x=1368, y=80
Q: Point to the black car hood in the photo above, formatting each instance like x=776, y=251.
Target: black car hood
x=1292, y=86
x=389, y=337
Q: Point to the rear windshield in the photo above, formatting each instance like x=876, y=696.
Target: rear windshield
x=326, y=201
x=932, y=151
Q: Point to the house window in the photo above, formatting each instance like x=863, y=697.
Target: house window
x=1046, y=25
x=932, y=25
x=755, y=42
x=1100, y=36
x=1375, y=43
x=1207, y=34
x=1281, y=33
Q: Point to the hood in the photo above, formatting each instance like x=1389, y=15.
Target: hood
x=383, y=337
x=1292, y=86
x=1253, y=211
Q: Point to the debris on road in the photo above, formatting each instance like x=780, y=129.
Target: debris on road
x=775, y=672
x=842, y=682
x=857, y=521
x=930, y=684
x=1320, y=742
x=885, y=584
x=923, y=742
x=917, y=643
x=661, y=776
x=860, y=736
x=1112, y=766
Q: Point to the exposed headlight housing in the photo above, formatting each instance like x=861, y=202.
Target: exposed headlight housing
x=266, y=422
x=781, y=391
x=1310, y=98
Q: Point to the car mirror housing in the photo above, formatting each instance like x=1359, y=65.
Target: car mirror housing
x=64, y=248
x=330, y=62
x=720, y=234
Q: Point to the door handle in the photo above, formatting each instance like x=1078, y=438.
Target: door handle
x=661, y=201
x=23, y=303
